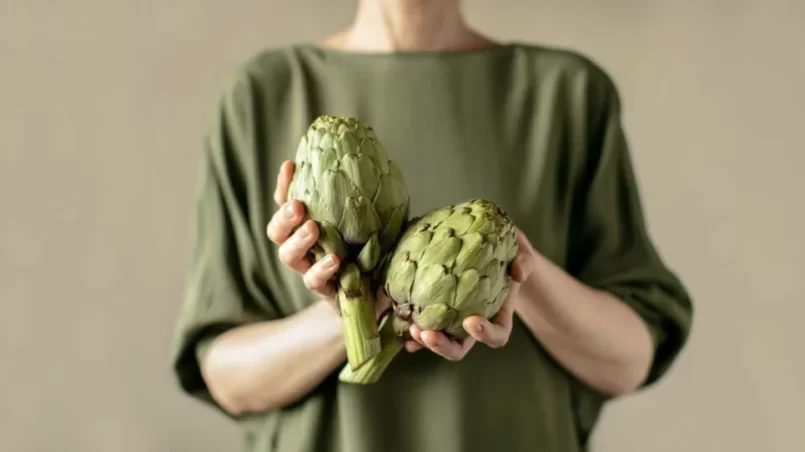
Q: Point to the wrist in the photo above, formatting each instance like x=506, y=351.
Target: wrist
x=535, y=289
x=330, y=317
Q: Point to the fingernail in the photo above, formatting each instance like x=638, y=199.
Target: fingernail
x=328, y=262
x=478, y=328
x=288, y=211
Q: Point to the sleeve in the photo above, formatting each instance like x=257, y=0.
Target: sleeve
x=225, y=282
x=610, y=247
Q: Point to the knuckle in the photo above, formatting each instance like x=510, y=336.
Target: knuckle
x=285, y=258
x=497, y=343
x=287, y=254
x=277, y=231
x=305, y=236
x=313, y=281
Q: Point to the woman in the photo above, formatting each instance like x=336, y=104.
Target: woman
x=594, y=313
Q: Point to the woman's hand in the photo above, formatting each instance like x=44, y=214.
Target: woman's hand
x=494, y=332
x=295, y=239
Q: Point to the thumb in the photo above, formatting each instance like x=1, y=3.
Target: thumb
x=521, y=268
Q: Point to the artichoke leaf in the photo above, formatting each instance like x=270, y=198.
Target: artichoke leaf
x=468, y=287
x=443, y=249
x=433, y=285
x=392, y=231
x=330, y=240
x=475, y=251
x=436, y=317
x=359, y=221
x=399, y=283
x=370, y=255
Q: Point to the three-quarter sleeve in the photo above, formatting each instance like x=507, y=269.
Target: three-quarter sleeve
x=225, y=282
x=610, y=246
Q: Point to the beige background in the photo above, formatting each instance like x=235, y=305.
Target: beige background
x=102, y=105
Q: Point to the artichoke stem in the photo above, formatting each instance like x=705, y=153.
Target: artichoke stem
x=374, y=368
x=359, y=323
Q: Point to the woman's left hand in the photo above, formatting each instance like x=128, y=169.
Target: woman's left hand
x=494, y=332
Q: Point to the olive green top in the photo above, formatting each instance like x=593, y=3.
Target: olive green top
x=535, y=129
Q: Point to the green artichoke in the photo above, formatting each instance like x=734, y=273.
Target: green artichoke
x=449, y=264
x=359, y=200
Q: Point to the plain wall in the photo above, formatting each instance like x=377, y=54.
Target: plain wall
x=102, y=107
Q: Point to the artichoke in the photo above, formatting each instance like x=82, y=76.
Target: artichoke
x=359, y=200
x=449, y=264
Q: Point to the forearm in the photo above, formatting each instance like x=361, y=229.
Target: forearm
x=595, y=336
x=271, y=364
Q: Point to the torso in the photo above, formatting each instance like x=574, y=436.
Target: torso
x=506, y=124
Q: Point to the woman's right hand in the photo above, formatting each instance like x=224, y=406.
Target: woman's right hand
x=295, y=239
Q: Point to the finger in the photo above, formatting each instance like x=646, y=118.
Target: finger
x=293, y=252
x=521, y=268
x=412, y=346
x=494, y=333
x=318, y=277
x=522, y=241
x=416, y=334
x=284, y=221
x=523, y=264
x=283, y=182
x=442, y=345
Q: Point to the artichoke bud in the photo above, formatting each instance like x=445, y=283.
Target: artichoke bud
x=452, y=263
x=359, y=199
x=369, y=255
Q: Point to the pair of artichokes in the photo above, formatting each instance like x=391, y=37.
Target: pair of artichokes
x=437, y=269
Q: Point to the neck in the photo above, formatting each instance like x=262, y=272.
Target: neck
x=409, y=25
